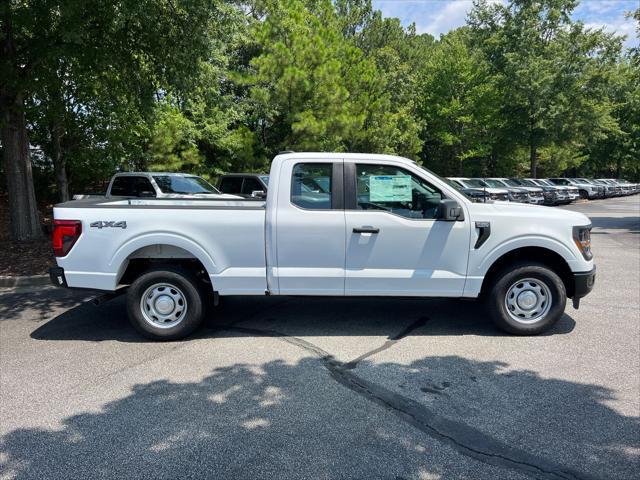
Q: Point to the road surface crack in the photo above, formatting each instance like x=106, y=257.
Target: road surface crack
x=465, y=439
x=391, y=341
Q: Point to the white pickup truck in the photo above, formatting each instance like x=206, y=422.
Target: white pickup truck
x=333, y=224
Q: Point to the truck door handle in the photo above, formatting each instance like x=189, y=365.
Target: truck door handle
x=366, y=230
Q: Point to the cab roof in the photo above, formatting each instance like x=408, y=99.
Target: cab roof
x=342, y=156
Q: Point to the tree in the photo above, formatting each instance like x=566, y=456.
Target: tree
x=52, y=49
x=546, y=63
x=458, y=104
x=314, y=89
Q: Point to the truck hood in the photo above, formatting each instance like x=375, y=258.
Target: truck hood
x=528, y=212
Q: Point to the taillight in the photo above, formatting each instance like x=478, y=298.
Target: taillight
x=65, y=234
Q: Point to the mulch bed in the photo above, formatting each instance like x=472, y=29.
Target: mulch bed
x=24, y=258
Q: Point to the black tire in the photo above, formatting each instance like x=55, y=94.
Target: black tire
x=509, y=276
x=584, y=195
x=188, y=290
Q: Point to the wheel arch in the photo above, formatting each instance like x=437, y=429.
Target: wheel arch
x=543, y=255
x=140, y=253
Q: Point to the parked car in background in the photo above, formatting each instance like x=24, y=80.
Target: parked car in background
x=586, y=190
x=574, y=192
x=626, y=187
x=609, y=190
x=635, y=187
x=498, y=194
x=244, y=184
x=600, y=190
x=552, y=194
x=519, y=195
x=532, y=195
x=562, y=192
x=476, y=195
x=617, y=189
x=531, y=188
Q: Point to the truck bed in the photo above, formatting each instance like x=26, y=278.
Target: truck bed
x=226, y=236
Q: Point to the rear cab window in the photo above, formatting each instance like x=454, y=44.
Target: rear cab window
x=131, y=186
x=311, y=186
x=251, y=185
x=231, y=185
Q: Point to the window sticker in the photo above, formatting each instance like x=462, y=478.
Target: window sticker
x=390, y=188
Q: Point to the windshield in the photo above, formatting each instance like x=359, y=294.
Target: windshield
x=528, y=183
x=445, y=180
x=515, y=182
x=511, y=183
x=475, y=182
x=544, y=182
x=494, y=183
x=265, y=179
x=560, y=181
x=183, y=185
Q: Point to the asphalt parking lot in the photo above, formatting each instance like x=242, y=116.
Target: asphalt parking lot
x=340, y=388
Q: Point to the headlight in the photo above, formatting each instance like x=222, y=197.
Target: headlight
x=582, y=237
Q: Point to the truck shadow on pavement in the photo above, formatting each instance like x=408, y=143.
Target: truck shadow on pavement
x=315, y=419
x=630, y=224
x=298, y=316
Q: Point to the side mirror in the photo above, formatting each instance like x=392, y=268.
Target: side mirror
x=258, y=194
x=450, y=211
x=146, y=194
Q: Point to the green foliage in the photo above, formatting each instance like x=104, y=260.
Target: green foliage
x=212, y=86
x=314, y=89
x=554, y=75
x=459, y=106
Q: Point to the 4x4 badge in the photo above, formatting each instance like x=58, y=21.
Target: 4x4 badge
x=101, y=224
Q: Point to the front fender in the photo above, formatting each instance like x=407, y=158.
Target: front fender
x=526, y=241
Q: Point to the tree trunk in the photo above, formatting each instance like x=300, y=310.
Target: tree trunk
x=493, y=163
x=533, y=157
x=59, y=161
x=23, y=209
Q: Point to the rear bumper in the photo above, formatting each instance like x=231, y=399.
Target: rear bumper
x=56, y=274
x=583, y=283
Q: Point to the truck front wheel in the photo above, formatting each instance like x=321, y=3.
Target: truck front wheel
x=166, y=303
x=526, y=299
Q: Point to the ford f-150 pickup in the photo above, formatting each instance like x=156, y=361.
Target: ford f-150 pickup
x=332, y=224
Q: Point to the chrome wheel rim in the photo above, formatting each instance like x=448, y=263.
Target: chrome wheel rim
x=528, y=300
x=163, y=305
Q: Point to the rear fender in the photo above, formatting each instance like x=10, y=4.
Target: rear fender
x=119, y=261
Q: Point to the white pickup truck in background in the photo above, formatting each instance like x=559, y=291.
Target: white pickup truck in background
x=158, y=185
x=333, y=224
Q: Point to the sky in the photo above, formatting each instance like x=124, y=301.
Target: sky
x=440, y=16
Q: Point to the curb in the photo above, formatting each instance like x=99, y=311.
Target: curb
x=26, y=281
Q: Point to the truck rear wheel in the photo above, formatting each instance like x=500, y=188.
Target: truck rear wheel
x=166, y=303
x=527, y=299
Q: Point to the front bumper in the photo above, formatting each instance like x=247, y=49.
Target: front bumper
x=583, y=283
x=56, y=274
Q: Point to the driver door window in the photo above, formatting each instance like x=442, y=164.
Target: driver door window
x=397, y=191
